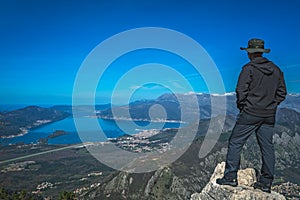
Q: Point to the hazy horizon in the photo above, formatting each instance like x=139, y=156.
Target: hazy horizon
x=12, y=106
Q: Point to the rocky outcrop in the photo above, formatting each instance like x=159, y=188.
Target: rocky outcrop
x=246, y=177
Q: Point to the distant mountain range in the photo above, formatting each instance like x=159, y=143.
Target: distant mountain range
x=18, y=121
x=170, y=102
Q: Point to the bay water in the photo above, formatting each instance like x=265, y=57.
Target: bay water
x=109, y=129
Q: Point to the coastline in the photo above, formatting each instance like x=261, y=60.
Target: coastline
x=23, y=132
x=18, y=138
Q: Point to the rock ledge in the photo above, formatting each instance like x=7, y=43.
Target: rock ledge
x=246, y=177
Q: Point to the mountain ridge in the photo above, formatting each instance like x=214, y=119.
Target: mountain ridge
x=225, y=103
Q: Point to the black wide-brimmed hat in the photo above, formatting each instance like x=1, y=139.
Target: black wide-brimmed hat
x=256, y=45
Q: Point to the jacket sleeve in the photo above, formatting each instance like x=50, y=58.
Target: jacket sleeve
x=242, y=88
x=281, y=90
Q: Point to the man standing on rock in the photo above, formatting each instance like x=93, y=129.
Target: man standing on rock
x=260, y=89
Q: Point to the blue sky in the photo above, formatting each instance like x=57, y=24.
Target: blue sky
x=43, y=43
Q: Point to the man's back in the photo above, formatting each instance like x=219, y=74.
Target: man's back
x=260, y=88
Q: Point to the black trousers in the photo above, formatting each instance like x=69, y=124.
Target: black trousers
x=247, y=124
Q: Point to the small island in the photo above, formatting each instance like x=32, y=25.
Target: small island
x=55, y=134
